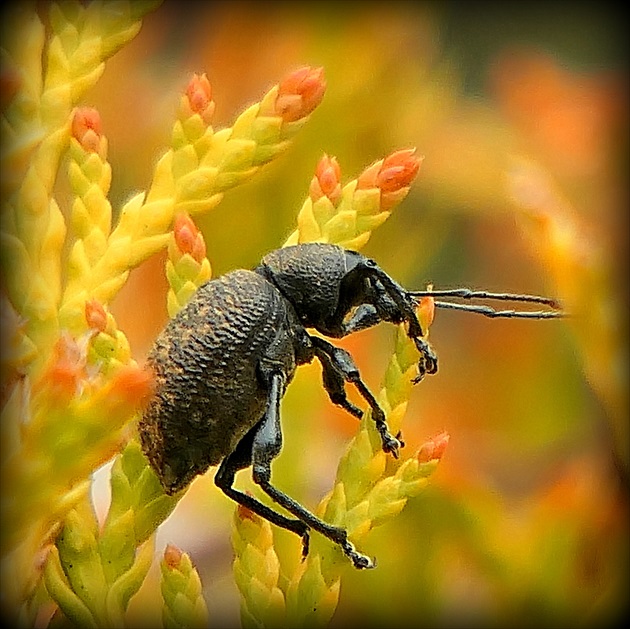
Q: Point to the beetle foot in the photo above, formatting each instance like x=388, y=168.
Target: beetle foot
x=391, y=444
x=428, y=361
x=359, y=561
x=306, y=540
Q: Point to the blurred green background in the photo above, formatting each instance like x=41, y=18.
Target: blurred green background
x=520, y=109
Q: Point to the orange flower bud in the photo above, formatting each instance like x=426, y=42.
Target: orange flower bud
x=392, y=173
x=199, y=95
x=86, y=128
x=392, y=176
x=426, y=310
x=300, y=92
x=131, y=387
x=326, y=182
x=188, y=238
x=172, y=556
x=434, y=448
x=95, y=315
x=67, y=369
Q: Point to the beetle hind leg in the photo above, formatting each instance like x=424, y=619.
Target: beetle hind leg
x=267, y=442
x=224, y=479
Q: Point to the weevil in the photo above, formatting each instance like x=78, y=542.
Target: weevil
x=222, y=366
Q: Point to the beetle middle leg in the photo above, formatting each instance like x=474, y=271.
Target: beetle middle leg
x=338, y=366
x=266, y=446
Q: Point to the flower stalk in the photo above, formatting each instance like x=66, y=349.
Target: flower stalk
x=370, y=487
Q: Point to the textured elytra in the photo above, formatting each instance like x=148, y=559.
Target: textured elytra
x=210, y=390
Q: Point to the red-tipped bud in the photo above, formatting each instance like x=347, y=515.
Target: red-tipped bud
x=131, y=387
x=434, y=448
x=426, y=310
x=86, y=128
x=199, y=96
x=172, y=556
x=95, y=315
x=326, y=182
x=243, y=513
x=188, y=238
x=67, y=370
x=300, y=92
x=392, y=173
x=392, y=176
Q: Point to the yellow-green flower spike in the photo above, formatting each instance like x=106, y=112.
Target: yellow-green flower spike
x=205, y=164
x=93, y=574
x=184, y=605
x=368, y=490
x=256, y=571
x=366, y=494
x=90, y=176
x=347, y=217
x=187, y=267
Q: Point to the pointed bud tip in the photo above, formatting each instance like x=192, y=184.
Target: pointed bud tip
x=172, y=556
x=300, y=93
x=188, y=238
x=95, y=315
x=199, y=95
x=87, y=128
x=434, y=448
x=393, y=173
x=426, y=310
x=327, y=180
x=399, y=170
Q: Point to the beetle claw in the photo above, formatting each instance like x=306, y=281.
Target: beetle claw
x=391, y=444
x=359, y=560
x=428, y=361
x=306, y=540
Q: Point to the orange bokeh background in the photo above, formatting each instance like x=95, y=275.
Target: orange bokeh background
x=520, y=110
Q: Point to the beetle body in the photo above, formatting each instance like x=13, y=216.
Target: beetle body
x=209, y=392
x=223, y=364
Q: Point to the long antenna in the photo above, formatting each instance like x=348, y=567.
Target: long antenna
x=487, y=311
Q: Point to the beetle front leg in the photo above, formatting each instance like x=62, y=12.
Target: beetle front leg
x=390, y=302
x=266, y=446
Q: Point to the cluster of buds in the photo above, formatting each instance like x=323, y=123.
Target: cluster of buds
x=348, y=215
x=187, y=267
x=184, y=605
x=300, y=93
x=87, y=129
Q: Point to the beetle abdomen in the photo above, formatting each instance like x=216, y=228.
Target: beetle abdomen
x=208, y=390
